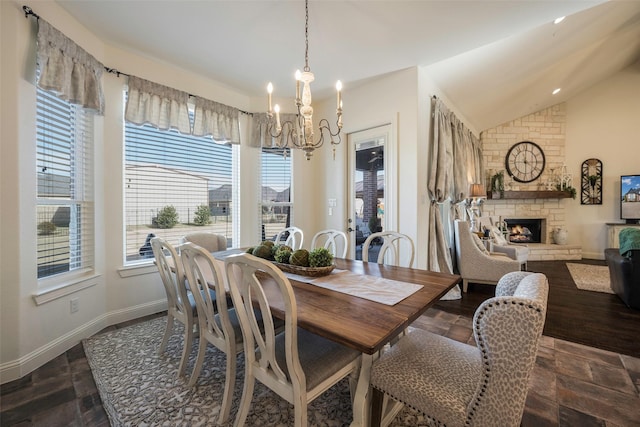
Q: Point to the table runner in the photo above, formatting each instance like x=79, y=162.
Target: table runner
x=373, y=288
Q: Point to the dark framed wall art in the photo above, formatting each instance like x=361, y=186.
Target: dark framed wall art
x=591, y=182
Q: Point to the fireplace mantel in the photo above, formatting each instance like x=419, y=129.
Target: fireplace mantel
x=529, y=195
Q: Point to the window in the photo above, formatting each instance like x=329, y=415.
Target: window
x=276, y=204
x=175, y=184
x=64, y=163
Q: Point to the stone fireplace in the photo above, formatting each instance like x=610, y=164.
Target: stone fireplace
x=547, y=129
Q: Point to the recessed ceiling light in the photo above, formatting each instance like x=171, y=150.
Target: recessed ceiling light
x=555, y=91
x=558, y=20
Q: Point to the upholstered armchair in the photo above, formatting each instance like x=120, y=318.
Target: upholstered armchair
x=456, y=384
x=475, y=263
x=212, y=242
x=499, y=244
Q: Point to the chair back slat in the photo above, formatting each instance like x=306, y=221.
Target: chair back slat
x=332, y=240
x=174, y=282
x=291, y=236
x=246, y=275
x=202, y=274
x=396, y=248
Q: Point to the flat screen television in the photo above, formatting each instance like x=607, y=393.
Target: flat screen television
x=630, y=198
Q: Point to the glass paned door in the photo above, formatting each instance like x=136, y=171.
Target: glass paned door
x=367, y=187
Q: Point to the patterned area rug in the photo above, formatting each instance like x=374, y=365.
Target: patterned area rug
x=139, y=387
x=590, y=277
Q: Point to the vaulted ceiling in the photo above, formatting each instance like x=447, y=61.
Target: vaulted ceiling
x=495, y=60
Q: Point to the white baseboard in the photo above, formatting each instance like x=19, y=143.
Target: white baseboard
x=18, y=368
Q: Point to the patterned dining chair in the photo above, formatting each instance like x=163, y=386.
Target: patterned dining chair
x=333, y=241
x=456, y=384
x=296, y=364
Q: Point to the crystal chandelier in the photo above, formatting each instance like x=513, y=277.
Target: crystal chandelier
x=299, y=132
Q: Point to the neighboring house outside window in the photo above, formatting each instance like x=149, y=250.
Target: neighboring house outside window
x=276, y=205
x=175, y=184
x=64, y=167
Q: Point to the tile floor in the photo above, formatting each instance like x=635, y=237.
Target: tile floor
x=571, y=385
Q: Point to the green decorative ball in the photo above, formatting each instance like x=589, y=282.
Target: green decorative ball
x=320, y=257
x=276, y=248
x=269, y=243
x=300, y=258
x=283, y=254
x=250, y=250
x=262, y=251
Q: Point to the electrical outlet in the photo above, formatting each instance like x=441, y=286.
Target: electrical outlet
x=74, y=305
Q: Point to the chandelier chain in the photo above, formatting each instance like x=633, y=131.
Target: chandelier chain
x=298, y=132
x=306, y=36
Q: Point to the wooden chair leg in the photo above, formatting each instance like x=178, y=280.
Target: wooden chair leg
x=229, y=386
x=377, y=403
x=197, y=368
x=167, y=333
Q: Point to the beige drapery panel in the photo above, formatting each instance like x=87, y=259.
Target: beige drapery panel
x=259, y=134
x=157, y=105
x=219, y=121
x=68, y=70
x=467, y=164
x=439, y=185
x=456, y=162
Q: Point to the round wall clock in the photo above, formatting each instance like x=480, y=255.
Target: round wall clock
x=525, y=161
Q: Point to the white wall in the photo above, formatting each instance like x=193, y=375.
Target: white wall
x=602, y=123
x=395, y=102
x=403, y=99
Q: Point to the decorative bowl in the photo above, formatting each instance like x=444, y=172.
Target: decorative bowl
x=305, y=271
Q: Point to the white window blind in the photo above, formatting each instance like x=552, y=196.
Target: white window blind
x=189, y=174
x=276, y=205
x=64, y=167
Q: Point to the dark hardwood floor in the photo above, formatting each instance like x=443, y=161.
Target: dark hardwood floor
x=571, y=385
x=595, y=319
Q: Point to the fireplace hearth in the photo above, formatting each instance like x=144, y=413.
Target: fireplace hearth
x=525, y=230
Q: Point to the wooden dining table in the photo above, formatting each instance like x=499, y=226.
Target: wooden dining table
x=360, y=323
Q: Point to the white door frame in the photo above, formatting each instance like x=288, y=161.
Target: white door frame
x=354, y=139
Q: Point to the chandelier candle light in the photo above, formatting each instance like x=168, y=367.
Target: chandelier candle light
x=299, y=134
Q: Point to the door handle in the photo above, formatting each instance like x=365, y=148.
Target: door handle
x=350, y=229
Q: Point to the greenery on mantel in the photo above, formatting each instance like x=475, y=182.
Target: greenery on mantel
x=567, y=189
x=497, y=183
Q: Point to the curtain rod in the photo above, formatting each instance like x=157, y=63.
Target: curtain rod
x=28, y=11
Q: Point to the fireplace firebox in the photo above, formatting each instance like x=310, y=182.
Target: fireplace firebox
x=524, y=230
